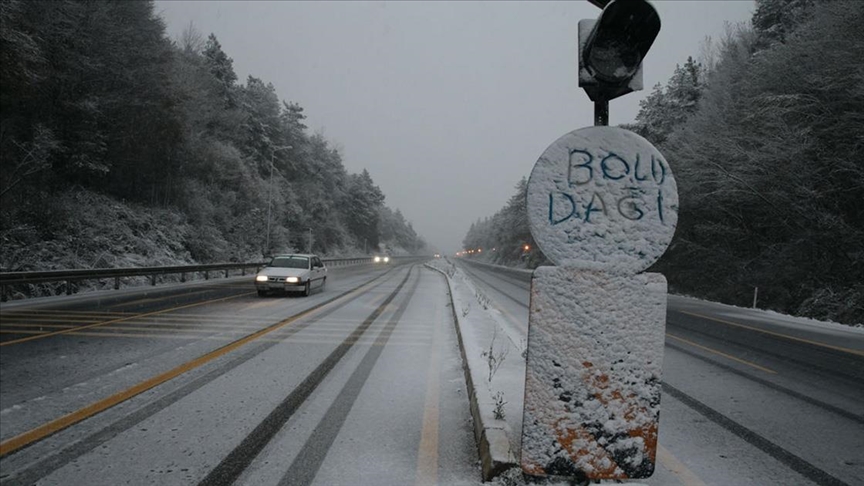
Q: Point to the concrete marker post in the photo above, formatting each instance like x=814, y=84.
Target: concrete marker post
x=603, y=206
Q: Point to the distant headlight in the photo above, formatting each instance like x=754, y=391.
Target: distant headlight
x=386, y=259
x=292, y=279
x=377, y=259
x=261, y=278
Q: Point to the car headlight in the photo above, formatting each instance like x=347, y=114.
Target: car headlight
x=292, y=279
x=386, y=259
x=377, y=259
x=261, y=278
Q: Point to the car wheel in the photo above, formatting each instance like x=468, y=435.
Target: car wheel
x=262, y=293
x=308, y=289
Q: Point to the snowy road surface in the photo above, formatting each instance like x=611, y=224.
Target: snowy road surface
x=207, y=383
x=749, y=397
x=210, y=384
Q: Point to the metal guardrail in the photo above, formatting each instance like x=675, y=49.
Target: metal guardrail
x=74, y=276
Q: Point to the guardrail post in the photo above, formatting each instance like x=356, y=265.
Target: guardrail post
x=226, y=273
x=153, y=279
x=116, y=283
x=183, y=276
x=243, y=271
x=3, y=293
x=206, y=274
x=68, y=287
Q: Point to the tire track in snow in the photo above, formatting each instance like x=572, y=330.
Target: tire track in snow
x=55, y=460
x=233, y=465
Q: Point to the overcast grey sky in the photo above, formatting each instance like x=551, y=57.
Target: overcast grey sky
x=447, y=104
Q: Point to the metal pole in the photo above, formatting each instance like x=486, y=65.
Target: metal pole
x=310, y=240
x=601, y=113
x=269, y=204
x=755, y=295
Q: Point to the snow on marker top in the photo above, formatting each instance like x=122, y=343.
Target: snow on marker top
x=602, y=199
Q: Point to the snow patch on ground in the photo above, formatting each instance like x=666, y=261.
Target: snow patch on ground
x=777, y=317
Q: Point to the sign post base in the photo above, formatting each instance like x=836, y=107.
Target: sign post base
x=593, y=374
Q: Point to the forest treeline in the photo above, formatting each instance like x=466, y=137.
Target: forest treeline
x=121, y=145
x=765, y=135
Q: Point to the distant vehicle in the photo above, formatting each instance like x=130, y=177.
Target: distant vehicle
x=381, y=259
x=437, y=255
x=292, y=273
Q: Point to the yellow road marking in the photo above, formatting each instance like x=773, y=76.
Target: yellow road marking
x=720, y=353
x=427, y=456
x=677, y=468
x=772, y=333
x=66, y=331
x=72, y=418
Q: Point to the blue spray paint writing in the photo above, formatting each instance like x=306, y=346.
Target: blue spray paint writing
x=581, y=168
x=584, y=167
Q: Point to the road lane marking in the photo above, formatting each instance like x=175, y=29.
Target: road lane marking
x=293, y=340
x=12, y=321
x=150, y=300
x=772, y=333
x=53, y=426
x=720, y=353
x=149, y=335
x=40, y=312
x=23, y=331
x=67, y=331
x=230, y=318
x=29, y=326
x=427, y=456
x=681, y=472
x=167, y=324
x=148, y=326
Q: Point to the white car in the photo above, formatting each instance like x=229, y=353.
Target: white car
x=292, y=273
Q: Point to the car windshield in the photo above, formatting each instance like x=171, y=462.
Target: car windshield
x=290, y=262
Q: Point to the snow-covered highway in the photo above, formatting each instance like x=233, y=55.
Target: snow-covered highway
x=358, y=384
x=206, y=383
